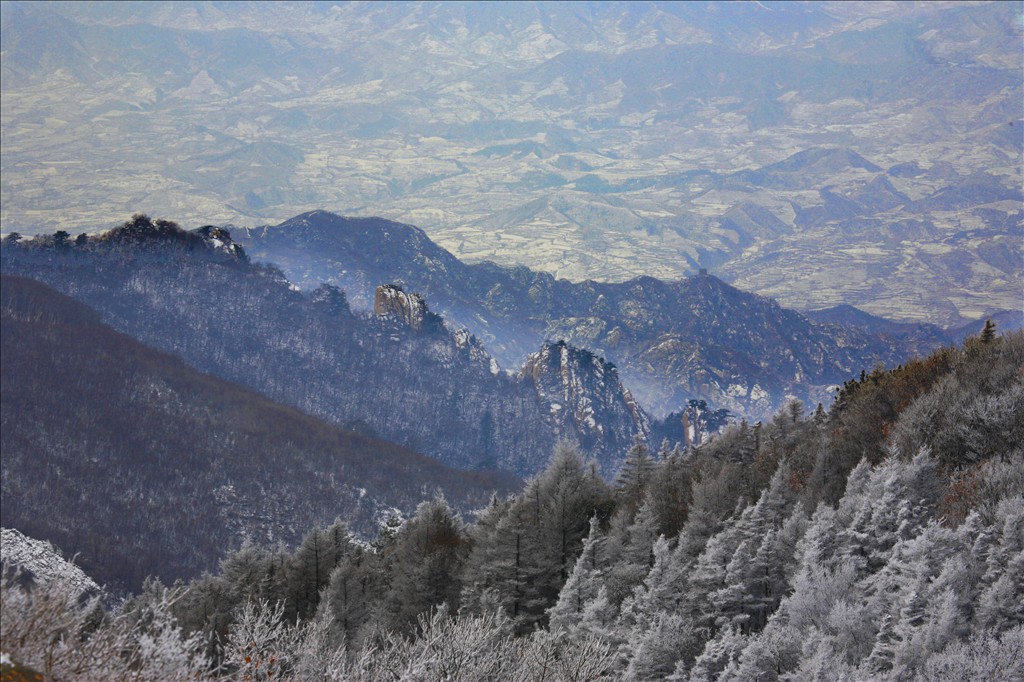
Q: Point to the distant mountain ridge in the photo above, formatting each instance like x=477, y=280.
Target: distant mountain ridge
x=403, y=377
x=697, y=338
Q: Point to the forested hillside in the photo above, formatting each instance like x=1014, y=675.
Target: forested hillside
x=880, y=539
x=140, y=465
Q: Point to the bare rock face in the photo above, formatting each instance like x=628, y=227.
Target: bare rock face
x=586, y=401
x=391, y=301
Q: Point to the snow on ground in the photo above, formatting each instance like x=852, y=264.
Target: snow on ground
x=43, y=561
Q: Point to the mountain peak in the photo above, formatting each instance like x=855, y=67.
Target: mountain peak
x=309, y=218
x=586, y=399
x=320, y=219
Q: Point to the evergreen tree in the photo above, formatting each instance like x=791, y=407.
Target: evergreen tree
x=882, y=654
x=633, y=478
x=719, y=653
x=255, y=572
x=667, y=640
x=423, y=565
x=631, y=548
x=310, y=568
x=348, y=601
x=483, y=571
x=523, y=561
x=583, y=584
x=988, y=334
x=669, y=490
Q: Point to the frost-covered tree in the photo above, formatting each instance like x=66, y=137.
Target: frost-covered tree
x=667, y=639
x=527, y=555
x=584, y=583
x=631, y=550
x=422, y=565
x=634, y=478
x=720, y=652
x=49, y=630
x=312, y=564
x=669, y=490
x=347, y=603
x=986, y=655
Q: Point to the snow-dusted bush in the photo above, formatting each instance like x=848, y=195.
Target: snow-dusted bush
x=48, y=629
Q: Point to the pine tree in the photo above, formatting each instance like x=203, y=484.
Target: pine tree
x=632, y=551
x=719, y=653
x=483, y=571
x=882, y=654
x=669, y=490
x=583, y=585
x=528, y=555
x=633, y=478
x=666, y=641
x=310, y=568
x=423, y=565
x=254, y=572
x=348, y=602
x=988, y=334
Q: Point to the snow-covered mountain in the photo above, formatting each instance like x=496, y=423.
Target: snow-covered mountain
x=401, y=375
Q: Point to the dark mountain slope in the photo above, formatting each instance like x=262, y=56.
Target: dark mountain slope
x=673, y=341
x=131, y=459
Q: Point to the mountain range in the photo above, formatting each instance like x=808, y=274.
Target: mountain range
x=673, y=341
x=170, y=363
x=398, y=373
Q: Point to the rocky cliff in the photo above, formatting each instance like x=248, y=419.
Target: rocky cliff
x=586, y=401
x=392, y=302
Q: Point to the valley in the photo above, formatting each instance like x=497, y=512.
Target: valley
x=865, y=158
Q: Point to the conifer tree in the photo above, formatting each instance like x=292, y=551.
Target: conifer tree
x=423, y=565
x=720, y=652
x=988, y=334
x=532, y=549
x=310, y=568
x=632, y=551
x=348, y=601
x=583, y=585
x=669, y=490
x=633, y=478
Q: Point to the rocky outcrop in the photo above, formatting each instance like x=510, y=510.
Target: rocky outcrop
x=586, y=401
x=38, y=562
x=392, y=302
